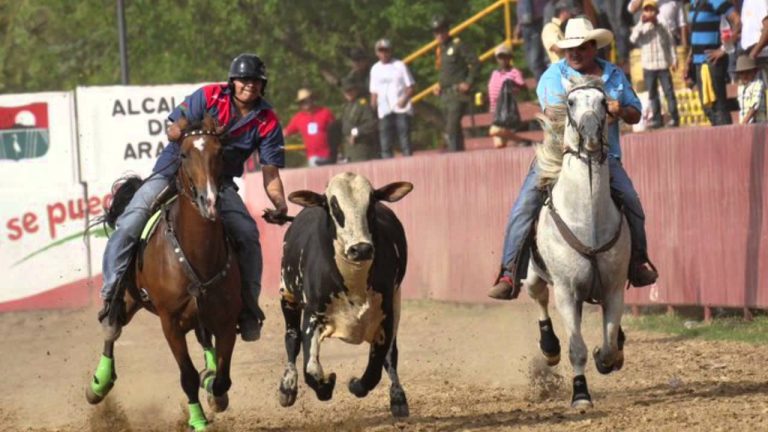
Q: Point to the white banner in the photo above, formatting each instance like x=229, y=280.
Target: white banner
x=37, y=141
x=122, y=128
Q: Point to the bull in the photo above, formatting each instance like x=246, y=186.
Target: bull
x=344, y=258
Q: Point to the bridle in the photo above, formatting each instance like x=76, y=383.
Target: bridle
x=183, y=173
x=582, y=154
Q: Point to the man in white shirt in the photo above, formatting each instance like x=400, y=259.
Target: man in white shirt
x=754, y=32
x=671, y=15
x=391, y=90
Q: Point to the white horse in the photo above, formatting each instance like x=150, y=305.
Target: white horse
x=582, y=236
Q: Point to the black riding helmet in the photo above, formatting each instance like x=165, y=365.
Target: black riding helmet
x=248, y=66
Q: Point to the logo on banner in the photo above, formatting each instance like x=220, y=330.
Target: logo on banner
x=24, y=131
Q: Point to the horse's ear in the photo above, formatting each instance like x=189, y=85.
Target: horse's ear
x=307, y=198
x=393, y=192
x=209, y=123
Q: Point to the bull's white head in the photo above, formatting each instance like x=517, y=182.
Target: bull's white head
x=350, y=200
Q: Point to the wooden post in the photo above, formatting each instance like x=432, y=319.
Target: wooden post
x=635, y=311
x=670, y=310
x=707, y=313
x=748, y=314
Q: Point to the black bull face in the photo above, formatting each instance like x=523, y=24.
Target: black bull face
x=344, y=258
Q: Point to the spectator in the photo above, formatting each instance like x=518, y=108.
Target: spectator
x=504, y=72
x=658, y=57
x=752, y=96
x=358, y=124
x=553, y=30
x=754, y=33
x=530, y=22
x=360, y=72
x=458, y=66
x=614, y=16
x=707, y=53
x=391, y=91
x=671, y=15
x=313, y=123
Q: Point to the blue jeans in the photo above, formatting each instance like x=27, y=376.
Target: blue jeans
x=534, y=48
x=530, y=200
x=238, y=223
x=395, y=125
x=652, y=79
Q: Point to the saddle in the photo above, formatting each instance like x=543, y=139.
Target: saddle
x=165, y=198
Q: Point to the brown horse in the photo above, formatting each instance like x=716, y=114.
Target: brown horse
x=187, y=274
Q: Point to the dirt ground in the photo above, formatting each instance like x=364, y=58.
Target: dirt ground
x=463, y=368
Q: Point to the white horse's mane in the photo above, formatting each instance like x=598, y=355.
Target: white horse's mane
x=549, y=154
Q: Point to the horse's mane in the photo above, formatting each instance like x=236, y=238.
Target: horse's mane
x=549, y=154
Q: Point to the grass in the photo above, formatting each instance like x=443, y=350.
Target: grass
x=728, y=328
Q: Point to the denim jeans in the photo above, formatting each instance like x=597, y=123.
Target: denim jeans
x=395, y=126
x=238, y=223
x=530, y=200
x=652, y=78
x=717, y=113
x=534, y=48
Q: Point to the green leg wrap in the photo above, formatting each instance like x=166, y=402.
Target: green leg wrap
x=104, y=377
x=197, y=420
x=210, y=359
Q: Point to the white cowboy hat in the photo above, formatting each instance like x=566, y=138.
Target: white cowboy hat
x=580, y=30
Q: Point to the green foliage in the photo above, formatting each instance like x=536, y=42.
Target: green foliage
x=731, y=328
x=53, y=45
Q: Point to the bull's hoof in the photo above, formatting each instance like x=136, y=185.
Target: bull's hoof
x=549, y=343
x=581, y=399
x=357, y=388
x=398, y=403
x=287, y=396
x=325, y=389
x=218, y=403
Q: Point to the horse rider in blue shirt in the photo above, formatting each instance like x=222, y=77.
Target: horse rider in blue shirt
x=580, y=44
x=251, y=126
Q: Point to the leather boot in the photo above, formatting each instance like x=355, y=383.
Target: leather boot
x=250, y=324
x=506, y=288
x=642, y=273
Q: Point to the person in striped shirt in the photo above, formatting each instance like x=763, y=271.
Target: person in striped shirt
x=505, y=72
x=706, y=48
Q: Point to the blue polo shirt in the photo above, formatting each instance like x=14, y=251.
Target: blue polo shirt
x=705, y=31
x=551, y=91
x=260, y=131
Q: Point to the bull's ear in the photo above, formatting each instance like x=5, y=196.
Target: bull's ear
x=307, y=198
x=393, y=192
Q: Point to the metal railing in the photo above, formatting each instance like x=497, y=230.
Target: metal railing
x=509, y=40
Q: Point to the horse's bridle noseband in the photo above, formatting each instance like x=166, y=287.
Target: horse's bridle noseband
x=587, y=159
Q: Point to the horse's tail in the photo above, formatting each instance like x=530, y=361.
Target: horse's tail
x=123, y=190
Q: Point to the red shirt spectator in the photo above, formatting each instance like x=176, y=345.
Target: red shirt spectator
x=312, y=122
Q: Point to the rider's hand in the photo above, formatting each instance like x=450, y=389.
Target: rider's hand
x=174, y=132
x=276, y=216
x=614, y=108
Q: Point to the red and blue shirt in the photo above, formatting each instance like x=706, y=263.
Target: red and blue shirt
x=259, y=130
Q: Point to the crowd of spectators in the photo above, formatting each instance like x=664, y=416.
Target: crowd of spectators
x=708, y=43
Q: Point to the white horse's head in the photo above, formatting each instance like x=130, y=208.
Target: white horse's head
x=586, y=114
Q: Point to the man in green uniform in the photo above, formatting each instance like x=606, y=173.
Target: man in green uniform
x=358, y=124
x=458, y=66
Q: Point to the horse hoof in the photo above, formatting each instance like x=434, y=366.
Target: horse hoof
x=619, y=362
x=205, y=375
x=287, y=397
x=398, y=404
x=91, y=396
x=356, y=388
x=325, y=389
x=218, y=403
x=581, y=404
x=552, y=360
x=601, y=367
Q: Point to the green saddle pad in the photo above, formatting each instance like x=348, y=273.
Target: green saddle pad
x=149, y=227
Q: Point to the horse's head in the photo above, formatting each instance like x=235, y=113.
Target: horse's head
x=201, y=164
x=586, y=113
